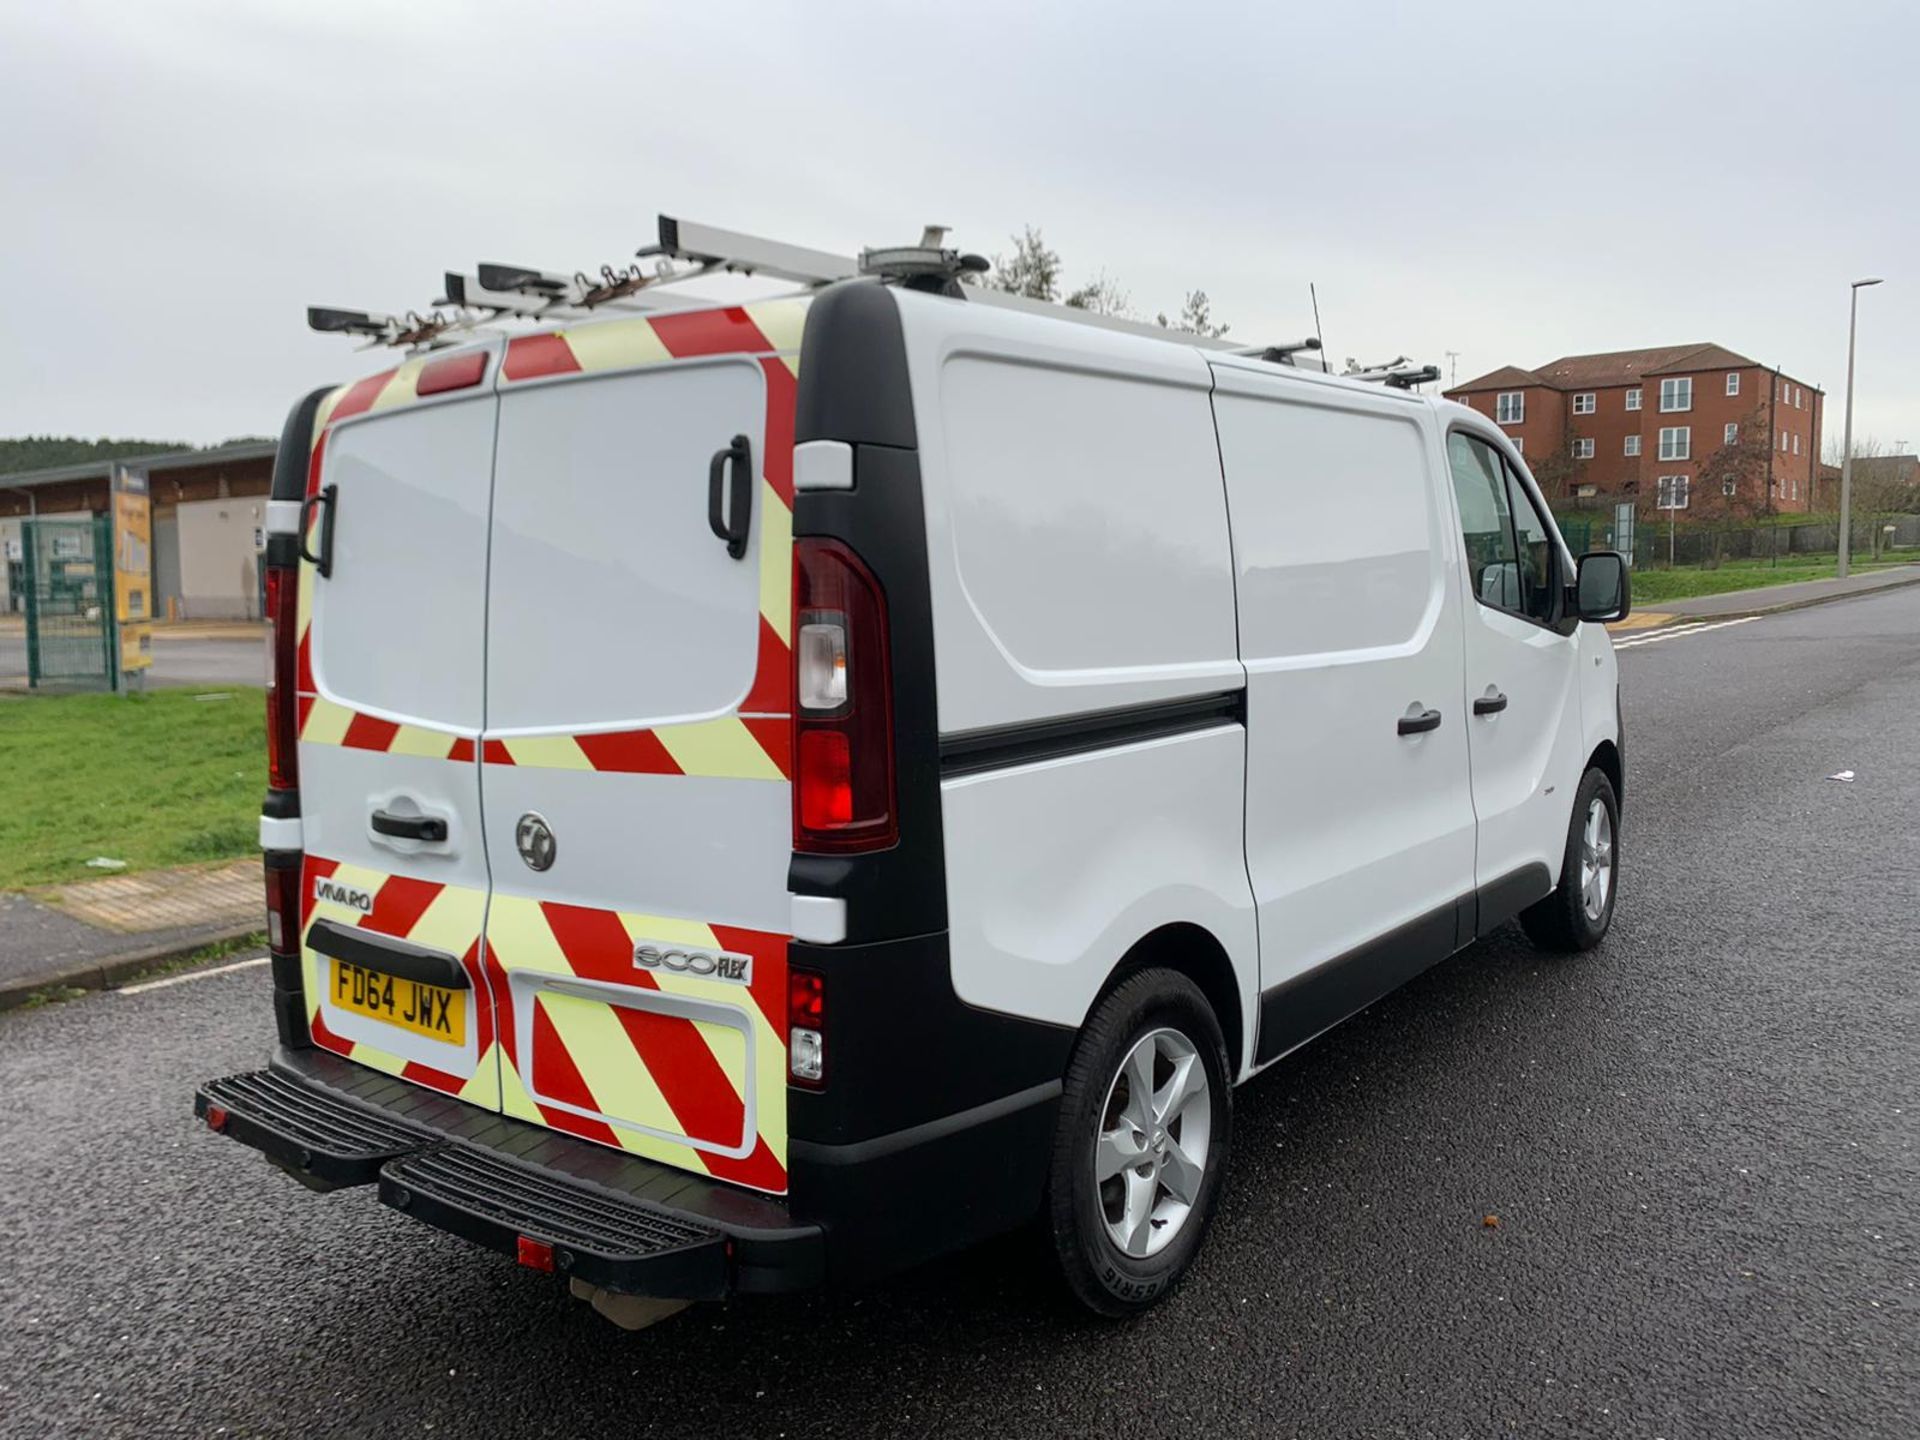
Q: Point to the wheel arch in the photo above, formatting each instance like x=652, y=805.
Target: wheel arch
x=1606, y=759
x=1196, y=952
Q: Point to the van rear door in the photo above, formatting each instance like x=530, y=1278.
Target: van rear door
x=635, y=752
x=390, y=681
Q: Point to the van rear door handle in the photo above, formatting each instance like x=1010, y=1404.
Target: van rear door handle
x=1419, y=724
x=409, y=827
x=729, y=514
x=1490, y=704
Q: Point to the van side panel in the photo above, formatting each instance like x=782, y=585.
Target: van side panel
x=1080, y=566
x=1077, y=531
x=1056, y=869
x=1360, y=837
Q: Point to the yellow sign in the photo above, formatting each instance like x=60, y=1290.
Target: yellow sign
x=133, y=567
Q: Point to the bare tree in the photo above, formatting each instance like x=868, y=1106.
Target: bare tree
x=1737, y=478
x=1196, y=317
x=1101, y=295
x=1883, y=484
x=1032, y=270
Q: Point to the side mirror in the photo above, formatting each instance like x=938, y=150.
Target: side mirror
x=1602, y=587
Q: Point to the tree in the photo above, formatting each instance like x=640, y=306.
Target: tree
x=1737, y=478
x=1554, y=471
x=1196, y=317
x=1883, y=484
x=1101, y=295
x=1032, y=270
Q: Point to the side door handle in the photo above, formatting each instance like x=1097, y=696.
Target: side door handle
x=729, y=514
x=1490, y=704
x=1419, y=724
x=409, y=827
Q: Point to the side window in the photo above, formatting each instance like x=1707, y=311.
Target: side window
x=1486, y=522
x=1536, y=553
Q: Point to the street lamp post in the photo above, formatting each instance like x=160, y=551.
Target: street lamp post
x=1846, y=453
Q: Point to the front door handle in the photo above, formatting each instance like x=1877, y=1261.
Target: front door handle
x=409, y=827
x=1419, y=724
x=1490, y=704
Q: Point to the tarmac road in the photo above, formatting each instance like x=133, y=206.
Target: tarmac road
x=1699, y=1143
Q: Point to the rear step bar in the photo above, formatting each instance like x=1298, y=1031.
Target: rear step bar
x=561, y=1225
x=613, y=1220
x=306, y=1130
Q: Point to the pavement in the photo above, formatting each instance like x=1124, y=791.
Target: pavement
x=96, y=933
x=1699, y=1141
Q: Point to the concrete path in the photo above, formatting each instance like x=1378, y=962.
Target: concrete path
x=95, y=933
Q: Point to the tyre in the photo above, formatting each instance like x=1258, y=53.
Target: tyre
x=1576, y=915
x=1145, y=1120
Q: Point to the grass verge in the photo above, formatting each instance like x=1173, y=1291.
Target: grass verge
x=1652, y=586
x=167, y=778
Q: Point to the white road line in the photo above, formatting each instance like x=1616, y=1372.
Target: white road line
x=142, y=989
x=1678, y=630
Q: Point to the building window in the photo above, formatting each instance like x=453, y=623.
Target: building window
x=1733, y=382
x=1583, y=403
x=1672, y=494
x=1796, y=444
x=1729, y=487
x=1733, y=433
x=1632, y=446
x=1519, y=443
x=1510, y=407
x=1583, y=449
x=1633, y=398
x=1676, y=442
x=1676, y=394
x=1783, y=442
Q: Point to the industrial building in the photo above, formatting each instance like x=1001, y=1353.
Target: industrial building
x=209, y=518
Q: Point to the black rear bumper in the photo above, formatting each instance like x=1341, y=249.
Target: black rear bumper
x=549, y=1200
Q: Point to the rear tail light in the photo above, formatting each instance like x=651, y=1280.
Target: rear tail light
x=807, y=1028
x=216, y=1118
x=843, y=793
x=283, y=900
x=283, y=610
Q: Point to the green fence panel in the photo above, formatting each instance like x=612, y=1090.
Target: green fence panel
x=68, y=571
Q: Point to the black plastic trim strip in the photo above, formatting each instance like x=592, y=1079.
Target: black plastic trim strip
x=811, y=1152
x=387, y=955
x=1297, y=1009
x=1002, y=746
x=1500, y=900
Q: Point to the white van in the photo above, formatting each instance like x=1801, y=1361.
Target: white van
x=765, y=794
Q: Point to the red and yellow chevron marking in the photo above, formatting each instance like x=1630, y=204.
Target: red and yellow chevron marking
x=442, y=917
x=664, y=1086
x=753, y=744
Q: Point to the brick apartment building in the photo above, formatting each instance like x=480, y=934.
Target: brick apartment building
x=1695, y=425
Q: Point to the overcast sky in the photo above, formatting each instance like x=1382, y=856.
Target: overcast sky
x=1509, y=181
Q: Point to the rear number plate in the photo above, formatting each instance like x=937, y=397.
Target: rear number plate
x=430, y=1010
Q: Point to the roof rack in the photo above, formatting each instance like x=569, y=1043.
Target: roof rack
x=1399, y=373
x=496, y=294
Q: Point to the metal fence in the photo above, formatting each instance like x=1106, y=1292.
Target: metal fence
x=1657, y=543
x=62, y=636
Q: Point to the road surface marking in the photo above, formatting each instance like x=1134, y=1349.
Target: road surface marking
x=145, y=986
x=1679, y=630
